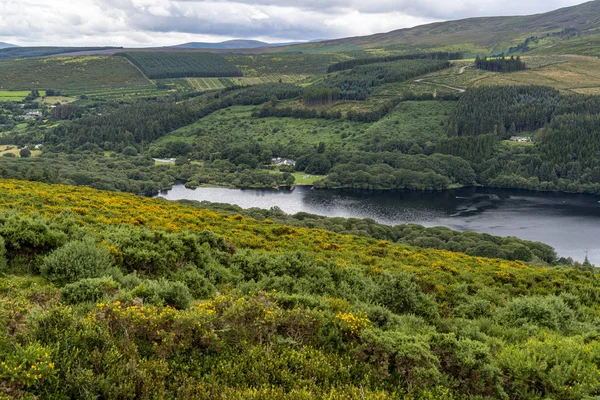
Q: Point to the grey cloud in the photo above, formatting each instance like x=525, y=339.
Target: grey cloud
x=163, y=22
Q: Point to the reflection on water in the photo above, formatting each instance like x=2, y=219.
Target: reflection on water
x=570, y=223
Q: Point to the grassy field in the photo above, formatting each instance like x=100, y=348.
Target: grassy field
x=411, y=122
x=13, y=149
x=70, y=73
x=202, y=84
x=237, y=122
x=575, y=73
x=120, y=93
x=59, y=99
x=304, y=179
x=17, y=96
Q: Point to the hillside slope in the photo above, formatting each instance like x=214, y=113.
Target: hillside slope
x=231, y=44
x=487, y=33
x=167, y=301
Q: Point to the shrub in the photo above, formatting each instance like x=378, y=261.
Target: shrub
x=89, y=290
x=75, y=261
x=2, y=254
x=163, y=292
x=544, y=311
x=395, y=354
x=400, y=293
x=194, y=279
x=25, y=153
x=29, y=234
x=130, y=151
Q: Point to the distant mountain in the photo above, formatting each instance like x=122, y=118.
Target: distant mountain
x=486, y=34
x=6, y=45
x=232, y=45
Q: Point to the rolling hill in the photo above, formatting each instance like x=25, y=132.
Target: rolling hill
x=487, y=34
x=4, y=45
x=232, y=44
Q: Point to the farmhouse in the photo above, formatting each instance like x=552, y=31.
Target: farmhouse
x=521, y=139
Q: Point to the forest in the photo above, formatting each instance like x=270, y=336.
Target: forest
x=159, y=65
x=350, y=64
x=170, y=301
x=501, y=64
x=355, y=84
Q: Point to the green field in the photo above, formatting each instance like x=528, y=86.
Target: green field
x=304, y=179
x=202, y=84
x=235, y=124
x=410, y=123
x=120, y=93
x=574, y=73
x=287, y=64
x=70, y=73
x=16, y=96
x=14, y=149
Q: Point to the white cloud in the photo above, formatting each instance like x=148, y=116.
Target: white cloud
x=167, y=22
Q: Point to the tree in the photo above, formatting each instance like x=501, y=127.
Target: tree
x=25, y=153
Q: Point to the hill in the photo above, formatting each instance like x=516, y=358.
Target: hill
x=6, y=45
x=487, y=34
x=231, y=44
x=69, y=73
x=28, y=52
x=169, y=301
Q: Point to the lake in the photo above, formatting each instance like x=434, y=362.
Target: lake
x=568, y=222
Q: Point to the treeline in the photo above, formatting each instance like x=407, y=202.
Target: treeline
x=317, y=96
x=502, y=64
x=146, y=121
x=128, y=172
x=472, y=243
x=350, y=64
x=162, y=65
x=503, y=110
x=393, y=171
x=356, y=83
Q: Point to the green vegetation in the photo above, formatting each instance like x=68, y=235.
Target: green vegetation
x=28, y=52
x=69, y=73
x=501, y=64
x=203, y=302
x=356, y=83
x=160, y=65
x=287, y=64
x=16, y=96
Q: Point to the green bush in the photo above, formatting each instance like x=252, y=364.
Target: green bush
x=395, y=354
x=402, y=295
x=29, y=234
x=89, y=290
x=2, y=254
x=163, y=292
x=545, y=311
x=75, y=261
x=130, y=151
x=194, y=279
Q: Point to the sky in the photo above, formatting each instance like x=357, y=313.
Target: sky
x=143, y=23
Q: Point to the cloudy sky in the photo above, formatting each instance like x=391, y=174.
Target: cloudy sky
x=168, y=22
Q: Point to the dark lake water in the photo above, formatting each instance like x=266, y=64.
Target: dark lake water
x=569, y=223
